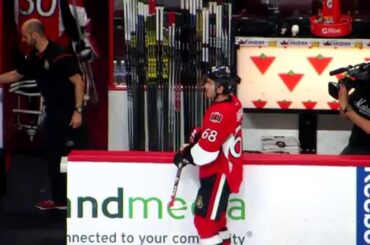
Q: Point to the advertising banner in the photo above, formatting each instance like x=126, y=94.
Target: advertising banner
x=126, y=203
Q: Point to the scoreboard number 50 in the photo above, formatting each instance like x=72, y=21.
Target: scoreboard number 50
x=37, y=6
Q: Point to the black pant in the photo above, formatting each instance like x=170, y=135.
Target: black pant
x=60, y=139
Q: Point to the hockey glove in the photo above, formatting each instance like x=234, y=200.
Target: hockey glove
x=195, y=135
x=183, y=157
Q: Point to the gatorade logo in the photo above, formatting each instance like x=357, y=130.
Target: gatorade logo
x=331, y=30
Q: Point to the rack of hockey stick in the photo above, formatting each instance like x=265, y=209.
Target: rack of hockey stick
x=166, y=55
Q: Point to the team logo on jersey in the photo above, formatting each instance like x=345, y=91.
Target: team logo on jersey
x=199, y=202
x=216, y=117
x=46, y=65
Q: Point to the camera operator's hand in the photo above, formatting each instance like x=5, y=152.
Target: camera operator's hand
x=342, y=97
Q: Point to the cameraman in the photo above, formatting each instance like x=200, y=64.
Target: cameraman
x=356, y=107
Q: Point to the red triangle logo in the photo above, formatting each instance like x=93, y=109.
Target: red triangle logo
x=263, y=62
x=319, y=63
x=284, y=104
x=334, y=105
x=309, y=105
x=259, y=103
x=291, y=79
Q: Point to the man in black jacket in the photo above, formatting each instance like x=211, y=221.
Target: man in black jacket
x=58, y=77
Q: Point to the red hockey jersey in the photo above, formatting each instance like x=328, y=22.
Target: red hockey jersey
x=49, y=13
x=219, y=149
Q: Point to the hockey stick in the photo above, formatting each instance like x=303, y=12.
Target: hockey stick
x=175, y=184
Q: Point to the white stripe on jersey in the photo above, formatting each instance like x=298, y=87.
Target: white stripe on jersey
x=211, y=240
x=218, y=196
x=229, y=143
x=224, y=235
x=201, y=156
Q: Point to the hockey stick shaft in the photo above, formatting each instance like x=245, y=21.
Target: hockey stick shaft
x=175, y=185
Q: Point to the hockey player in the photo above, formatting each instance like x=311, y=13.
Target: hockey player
x=218, y=153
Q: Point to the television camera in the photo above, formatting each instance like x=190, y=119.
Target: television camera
x=355, y=76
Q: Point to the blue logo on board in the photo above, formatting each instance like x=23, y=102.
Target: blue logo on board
x=363, y=206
